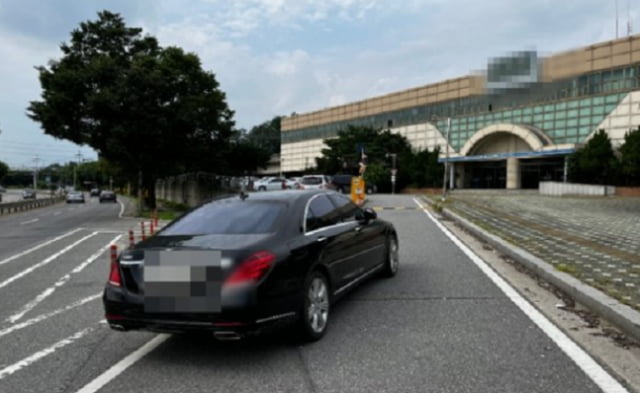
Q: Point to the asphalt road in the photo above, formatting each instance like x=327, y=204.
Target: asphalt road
x=441, y=325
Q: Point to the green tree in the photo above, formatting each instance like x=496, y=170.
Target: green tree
x=342, y=155
x=426, y=171
x=630, y=157
x=266, y=136
x=149, y=110
x=4, y=170
x=595, y=162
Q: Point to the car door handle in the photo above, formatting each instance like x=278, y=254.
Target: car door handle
x=321, y=239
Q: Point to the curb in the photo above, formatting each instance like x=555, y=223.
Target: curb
x=621, y=315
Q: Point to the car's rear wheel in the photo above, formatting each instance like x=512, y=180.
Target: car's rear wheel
x=316, y=307
x=392, y=258
x=262, y=188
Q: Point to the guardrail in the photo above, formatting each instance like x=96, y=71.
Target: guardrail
x=12, y=207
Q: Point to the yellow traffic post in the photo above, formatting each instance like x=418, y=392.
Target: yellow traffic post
x=357, y=190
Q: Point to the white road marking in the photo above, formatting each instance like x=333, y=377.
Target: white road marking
x=121, y=208
x=39, y=246
x=44, y=262
x=45, y=352
x=63, y=280
x=43, y=317
x=57, y=213
x=591, y=368
x=30, y=221
x=123, y=364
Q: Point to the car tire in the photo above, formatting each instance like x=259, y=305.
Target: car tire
x=316, y=307
x=341, y=190
x=392, y=261
x=262, y=188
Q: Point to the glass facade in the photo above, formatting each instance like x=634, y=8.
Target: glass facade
x=567, y=111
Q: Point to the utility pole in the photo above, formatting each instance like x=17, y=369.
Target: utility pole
x=446, y=162
x=140, y=194
x=393, y=171
x=75, y=169
x=36, y=160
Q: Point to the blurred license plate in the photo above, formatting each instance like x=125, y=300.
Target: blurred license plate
x=182, y=281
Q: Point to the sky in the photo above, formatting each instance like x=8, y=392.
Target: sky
x=276, y=57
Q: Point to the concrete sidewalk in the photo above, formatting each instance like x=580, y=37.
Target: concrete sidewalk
x=596, y=240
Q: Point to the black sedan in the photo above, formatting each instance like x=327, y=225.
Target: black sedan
x=240, y=264
x=107, y=196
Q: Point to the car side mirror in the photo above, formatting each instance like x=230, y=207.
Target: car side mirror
x=370, y=214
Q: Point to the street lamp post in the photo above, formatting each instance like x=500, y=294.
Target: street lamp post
x=435, y=118
x=446, y=162
x=393, y=171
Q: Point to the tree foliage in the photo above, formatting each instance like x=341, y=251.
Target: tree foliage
x=142, y=107
x=4, y=169
x=630, y=157
x=419, y=169
x=266, y=136
x=594, y=163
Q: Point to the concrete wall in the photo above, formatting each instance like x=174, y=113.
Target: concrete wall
x=193, y=189
x=560, y=189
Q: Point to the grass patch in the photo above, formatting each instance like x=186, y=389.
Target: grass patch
x=563, y=267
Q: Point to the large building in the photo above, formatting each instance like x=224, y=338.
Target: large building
x=509, y=126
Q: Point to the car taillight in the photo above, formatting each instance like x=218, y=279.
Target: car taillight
x=252, y=269
x=114, y=274
x=284, y=185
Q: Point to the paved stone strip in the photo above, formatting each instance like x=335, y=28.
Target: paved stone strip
x=595, y=240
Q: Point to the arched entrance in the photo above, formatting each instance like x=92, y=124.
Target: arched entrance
x=493, y=155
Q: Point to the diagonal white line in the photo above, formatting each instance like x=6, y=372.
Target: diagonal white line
x=43, y=317
x=43, y=353
x=123, y=364
x=44, y=262
x=39, y=246
x=63, y=280
x=591, y=368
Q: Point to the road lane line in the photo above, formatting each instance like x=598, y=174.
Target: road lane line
x=30, y=221
x=43, y=353
x=590, y=367
x=123, y=364
x=39, y=246
x=57, y=213
x=44, y=262
x=63, y=280
x=46, y=316
x=121, y=208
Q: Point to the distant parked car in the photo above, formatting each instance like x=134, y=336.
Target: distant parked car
x=94, y=192
x=293, y=184
x=341, y=183
x=310, y=182
x=28, y=193
x=270, y=184
x=2, y=189
x=108, y=196
x=75, y=197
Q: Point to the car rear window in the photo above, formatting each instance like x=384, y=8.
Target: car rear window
x=228, y=217
x=312, y=180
